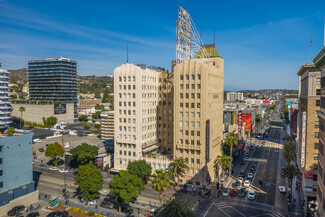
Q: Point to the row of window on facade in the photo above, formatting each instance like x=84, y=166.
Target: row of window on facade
x=123, y=120
x=187, y=86
x=129, y=137
x=187, y=142
x=181, y=114
x=154, y=165
x=187, y=105
x=192, y=123
x=198, y=95
x=187, y=77
x=187, y=133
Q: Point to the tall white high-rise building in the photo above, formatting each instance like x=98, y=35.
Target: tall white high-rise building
x=135, y=113
x=235, y=96
x=5, y=106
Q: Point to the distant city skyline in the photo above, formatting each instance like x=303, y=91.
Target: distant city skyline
x=263, y=44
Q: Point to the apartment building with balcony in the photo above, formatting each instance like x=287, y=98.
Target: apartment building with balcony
x=135, y=114
x=198, y=115
x=53, y=80
x=308, y=142
x=5, y=105
x=107, y=125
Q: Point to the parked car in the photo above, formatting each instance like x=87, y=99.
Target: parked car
x=252, y=170
x=247, y=183
x=247, y=154
x=251, y=195
x=242, y=192
x=254, y=166
x=41, y=149
x=225, y=193
x=250, y=175
x=15, y=210
x=243, y=162
x=33, y=214
x=52, y=214
x=240, y=179
x=242, y=174
x=233, y=193
x=106, y=204
x=237, y=184
x=92, y=203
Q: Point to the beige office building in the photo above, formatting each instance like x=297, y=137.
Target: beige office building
x=198, y=115
x=107, y=125
x=308, y=141
x=135, y=113
x=234, y=96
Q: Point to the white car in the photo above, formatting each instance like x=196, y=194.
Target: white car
x=91, y=203
x=63, y=170
x=247, y=183
x=282, y=189
x=225, y=193
x=250, y=175
x=241, y=179
x=251, y=195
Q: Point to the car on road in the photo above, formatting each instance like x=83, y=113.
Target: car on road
x=250, y=175
x=106, y=204
x=252, y=148
x=242, y=174
x=240, y=179
x=254, y=167
x=247, y=154
x=252, y=170
x=33, y=214
x=225, y=193
x=243, y=162
x=245, y=158
x=282, y=189
x=242, y=192
x=236, y=184
x=62, y=170
x=16, y=210
x=54, y=168
x=41, y=149
x=247, y=183
x=251, y=195
x=233, y=193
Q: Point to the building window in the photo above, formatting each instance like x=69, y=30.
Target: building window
x=181, y=132
x=193, y=77
x=197, y=133
x=181, y=114
x=317, y=102
x=186, y=105
x=318, y=92
x=199, y=96
x=199, y=77
x=198, y=86
x=317, y=80
x=198, y=142
x=1, y=172
x=187, y=77
x=192, y=134
x=316, y=124
x=181, y=105
x=1, y=184
x=186, y=95
x=198, y=124
x=316, y=146
x=198, y=105
x=182, y=77
x=1, y=148
x=187, y=86
x=192, y=95
x=181, y=123
x=315, y=156
x=197, y=161
x=193, y=86
x=316, y=135
x=181, y=95
x=192, y=105
x=181, y=86
x=192, y=160
x=315, y=166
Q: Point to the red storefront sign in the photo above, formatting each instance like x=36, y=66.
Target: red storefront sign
x=309, y=175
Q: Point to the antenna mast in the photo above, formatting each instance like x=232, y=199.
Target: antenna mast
x=127, y=53
x=188, y=41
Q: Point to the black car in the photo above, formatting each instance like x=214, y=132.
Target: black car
x=106, y=204
x=33, y=214
x=61, y=214
x=252, y=170
x=242, y=192
x=237, y=184
x=52, y=214
x=242, y=174
x=15, y=210
x=41, y=150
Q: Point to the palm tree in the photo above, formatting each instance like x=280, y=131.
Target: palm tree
x=224, y=162
x=21, y=109
x=231, y=140
x=289, y=151
x=160, y=182
x=177, y=168
x=289, y=171
x=176, y=207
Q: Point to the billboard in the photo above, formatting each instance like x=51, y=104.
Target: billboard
x=60, y=109
x=266, y=101
x=247, y=120
x=239, y=124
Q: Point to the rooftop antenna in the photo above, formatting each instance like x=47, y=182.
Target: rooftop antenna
x=127, y=53
x=214, y=35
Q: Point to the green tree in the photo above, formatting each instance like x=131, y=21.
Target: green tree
x=224, y=163
x=13, y=96
x=21, y=109
x=105, y=96
x=83, y=118
x=111, y=101
x=124, y=187
x=97, y=94
x=84, y=153
x=97, y=126
x=50, y=121
x=96, y=115
x=177, y=168
x=18, y=88
x=258, y=121
x=289, y=171
x=93, y=120
x=268, y=108
x=140, y=168
x=176, y=207
x=231, y=141
x=288, y=151
x=90, y=181
x=86, y=127
x=160, y=182
x=98, y=107
x=54, y=151
x=10, y=131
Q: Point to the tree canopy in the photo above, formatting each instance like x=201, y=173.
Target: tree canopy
x=90, y=181
x=10, y=131
x=125, y=186
x=176, y=207
x=140, y=168
x=84, y=153
x=83, y=118
x=50, y=121
x=223, y=162
x=160, y=182
x=86, y=127
x=54, y=151
x=177, y=168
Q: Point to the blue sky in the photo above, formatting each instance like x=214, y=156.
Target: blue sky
x=263, y=43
